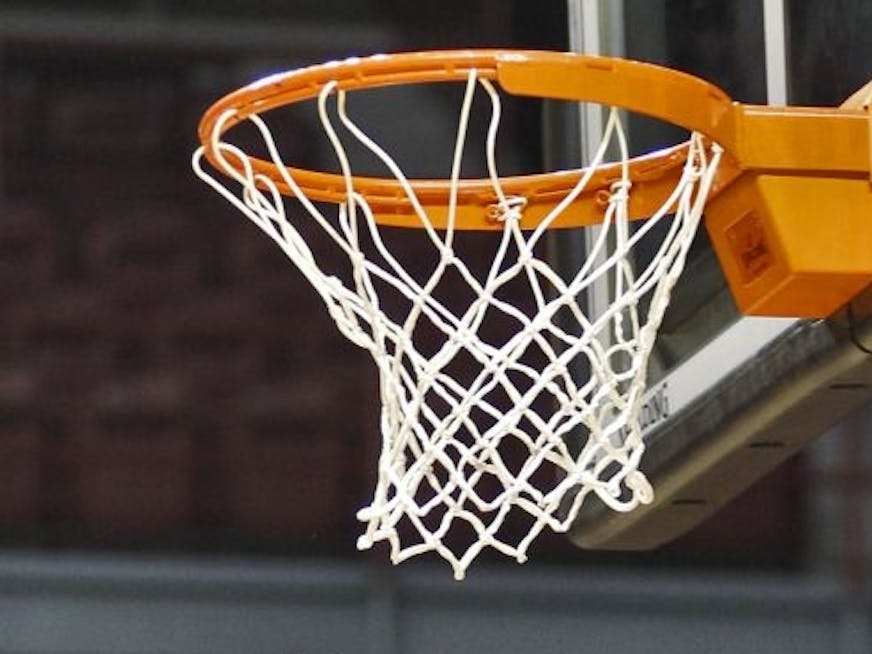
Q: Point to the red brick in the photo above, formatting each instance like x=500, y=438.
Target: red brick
x=22, y=447
x=27, y=247
x=213, y=341
x=149, y=247
x=121, y=119
x=287, y=461
x=131, y=469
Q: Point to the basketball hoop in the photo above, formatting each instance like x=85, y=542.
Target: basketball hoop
x=448, y=436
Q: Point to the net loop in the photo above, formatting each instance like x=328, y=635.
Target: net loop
x=509, y=209
x=620, y=191
x=510, y=413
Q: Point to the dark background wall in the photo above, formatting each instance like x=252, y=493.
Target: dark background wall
x=167, y=381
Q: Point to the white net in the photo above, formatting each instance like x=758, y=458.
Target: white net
x=486, y=440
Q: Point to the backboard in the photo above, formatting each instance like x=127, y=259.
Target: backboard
x=729, y=397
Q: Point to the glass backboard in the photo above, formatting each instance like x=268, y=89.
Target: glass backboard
x=730, y=397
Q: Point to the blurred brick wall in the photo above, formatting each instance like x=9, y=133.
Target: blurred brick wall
x=166, y=377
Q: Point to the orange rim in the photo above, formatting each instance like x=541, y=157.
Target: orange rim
x=755, y=138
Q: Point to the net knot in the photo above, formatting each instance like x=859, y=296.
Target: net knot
x=640, y=486
x=620, y=190
x=509, y=209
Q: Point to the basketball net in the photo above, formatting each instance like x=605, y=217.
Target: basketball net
x=449, y=476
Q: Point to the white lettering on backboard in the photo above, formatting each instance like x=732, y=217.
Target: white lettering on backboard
x=656, y=407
